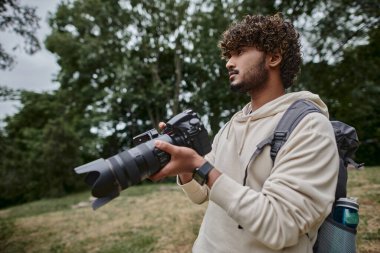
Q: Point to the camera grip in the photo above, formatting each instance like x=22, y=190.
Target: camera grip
x=162, y=156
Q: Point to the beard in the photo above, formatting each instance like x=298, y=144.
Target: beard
x=254, y=80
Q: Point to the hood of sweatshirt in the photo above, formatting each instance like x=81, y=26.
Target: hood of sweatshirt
x=278, y=105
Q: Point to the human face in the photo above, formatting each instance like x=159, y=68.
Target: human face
x=246, y=70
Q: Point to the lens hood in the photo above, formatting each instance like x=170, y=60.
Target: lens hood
x=101, y=179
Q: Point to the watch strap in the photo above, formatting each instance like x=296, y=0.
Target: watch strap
x=201, y=174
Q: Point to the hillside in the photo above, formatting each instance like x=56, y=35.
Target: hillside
x=148, y=218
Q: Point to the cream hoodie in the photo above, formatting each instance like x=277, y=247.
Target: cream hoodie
x=282, y=205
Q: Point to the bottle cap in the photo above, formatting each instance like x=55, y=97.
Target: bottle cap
x=348, y=202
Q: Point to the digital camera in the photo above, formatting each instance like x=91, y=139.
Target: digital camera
x=108, y=177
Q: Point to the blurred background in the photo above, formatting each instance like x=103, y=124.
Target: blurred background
x=100, y=72
x=79, y=79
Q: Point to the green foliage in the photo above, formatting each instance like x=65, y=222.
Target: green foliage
x=351, y=89
x=7, y=93
x=158, y=55
x=39, y=151
x=22, y=21
x=126, y=65
x=342, y=63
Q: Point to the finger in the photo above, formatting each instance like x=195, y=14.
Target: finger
x=165, y=146
x=155, y=177
x=159, y=175
x=161, y=125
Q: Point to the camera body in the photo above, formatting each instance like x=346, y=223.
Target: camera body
x=108, y=177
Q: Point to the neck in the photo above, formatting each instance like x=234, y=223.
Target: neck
x=272, y=90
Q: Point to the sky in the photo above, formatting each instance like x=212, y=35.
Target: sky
x=32, y=72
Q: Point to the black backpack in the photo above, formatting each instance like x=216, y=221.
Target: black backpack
x=331, y=234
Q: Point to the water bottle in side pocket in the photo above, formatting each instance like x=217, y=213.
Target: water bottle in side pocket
x=338, y=232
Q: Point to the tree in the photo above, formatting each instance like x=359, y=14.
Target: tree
x=129, y=64
x=21, y=20
x=39, y=150
x=159, y=54
x=7, y=93
x=164, y=53
x=351, y=89
x=341, y=63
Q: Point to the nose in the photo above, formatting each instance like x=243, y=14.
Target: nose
x=230, y=63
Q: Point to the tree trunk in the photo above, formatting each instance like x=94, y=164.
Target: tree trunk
x=178, y=77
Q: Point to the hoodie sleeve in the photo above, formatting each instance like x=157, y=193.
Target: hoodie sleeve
x=195, y=192
x=298, y=194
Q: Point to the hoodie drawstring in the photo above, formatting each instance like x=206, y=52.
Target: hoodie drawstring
x=230, y=124
x=244, y=135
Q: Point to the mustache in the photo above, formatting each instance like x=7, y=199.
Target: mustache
x=233, y=72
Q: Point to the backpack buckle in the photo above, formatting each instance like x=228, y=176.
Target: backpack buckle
x=280, y=136
x=278, y=140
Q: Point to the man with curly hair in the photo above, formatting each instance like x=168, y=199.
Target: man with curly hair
x=261, y=206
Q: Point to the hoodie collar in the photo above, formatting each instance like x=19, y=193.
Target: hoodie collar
x=278, y=105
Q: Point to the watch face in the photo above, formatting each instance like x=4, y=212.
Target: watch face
x=199, y=178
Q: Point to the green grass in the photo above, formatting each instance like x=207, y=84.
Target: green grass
x=146, y=218
x=139, y=242
x=365, y=184
x=46, y=206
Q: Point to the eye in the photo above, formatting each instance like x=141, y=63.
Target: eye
x=239, y=51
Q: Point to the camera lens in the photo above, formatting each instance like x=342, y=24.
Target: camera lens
x=108, y=177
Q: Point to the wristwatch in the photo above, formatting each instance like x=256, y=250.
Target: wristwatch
x=201, y=174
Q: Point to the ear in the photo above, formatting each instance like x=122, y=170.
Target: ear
x=274, y=60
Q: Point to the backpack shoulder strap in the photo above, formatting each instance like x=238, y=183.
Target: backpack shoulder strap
x=293, y=115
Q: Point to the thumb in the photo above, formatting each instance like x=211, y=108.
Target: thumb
x=165, y=146
x=161, y=125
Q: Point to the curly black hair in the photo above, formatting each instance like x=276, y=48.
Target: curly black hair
x=270, y=34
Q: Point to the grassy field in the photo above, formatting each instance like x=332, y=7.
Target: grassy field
x=148, y=218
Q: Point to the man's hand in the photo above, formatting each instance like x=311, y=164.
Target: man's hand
x=182, y=162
